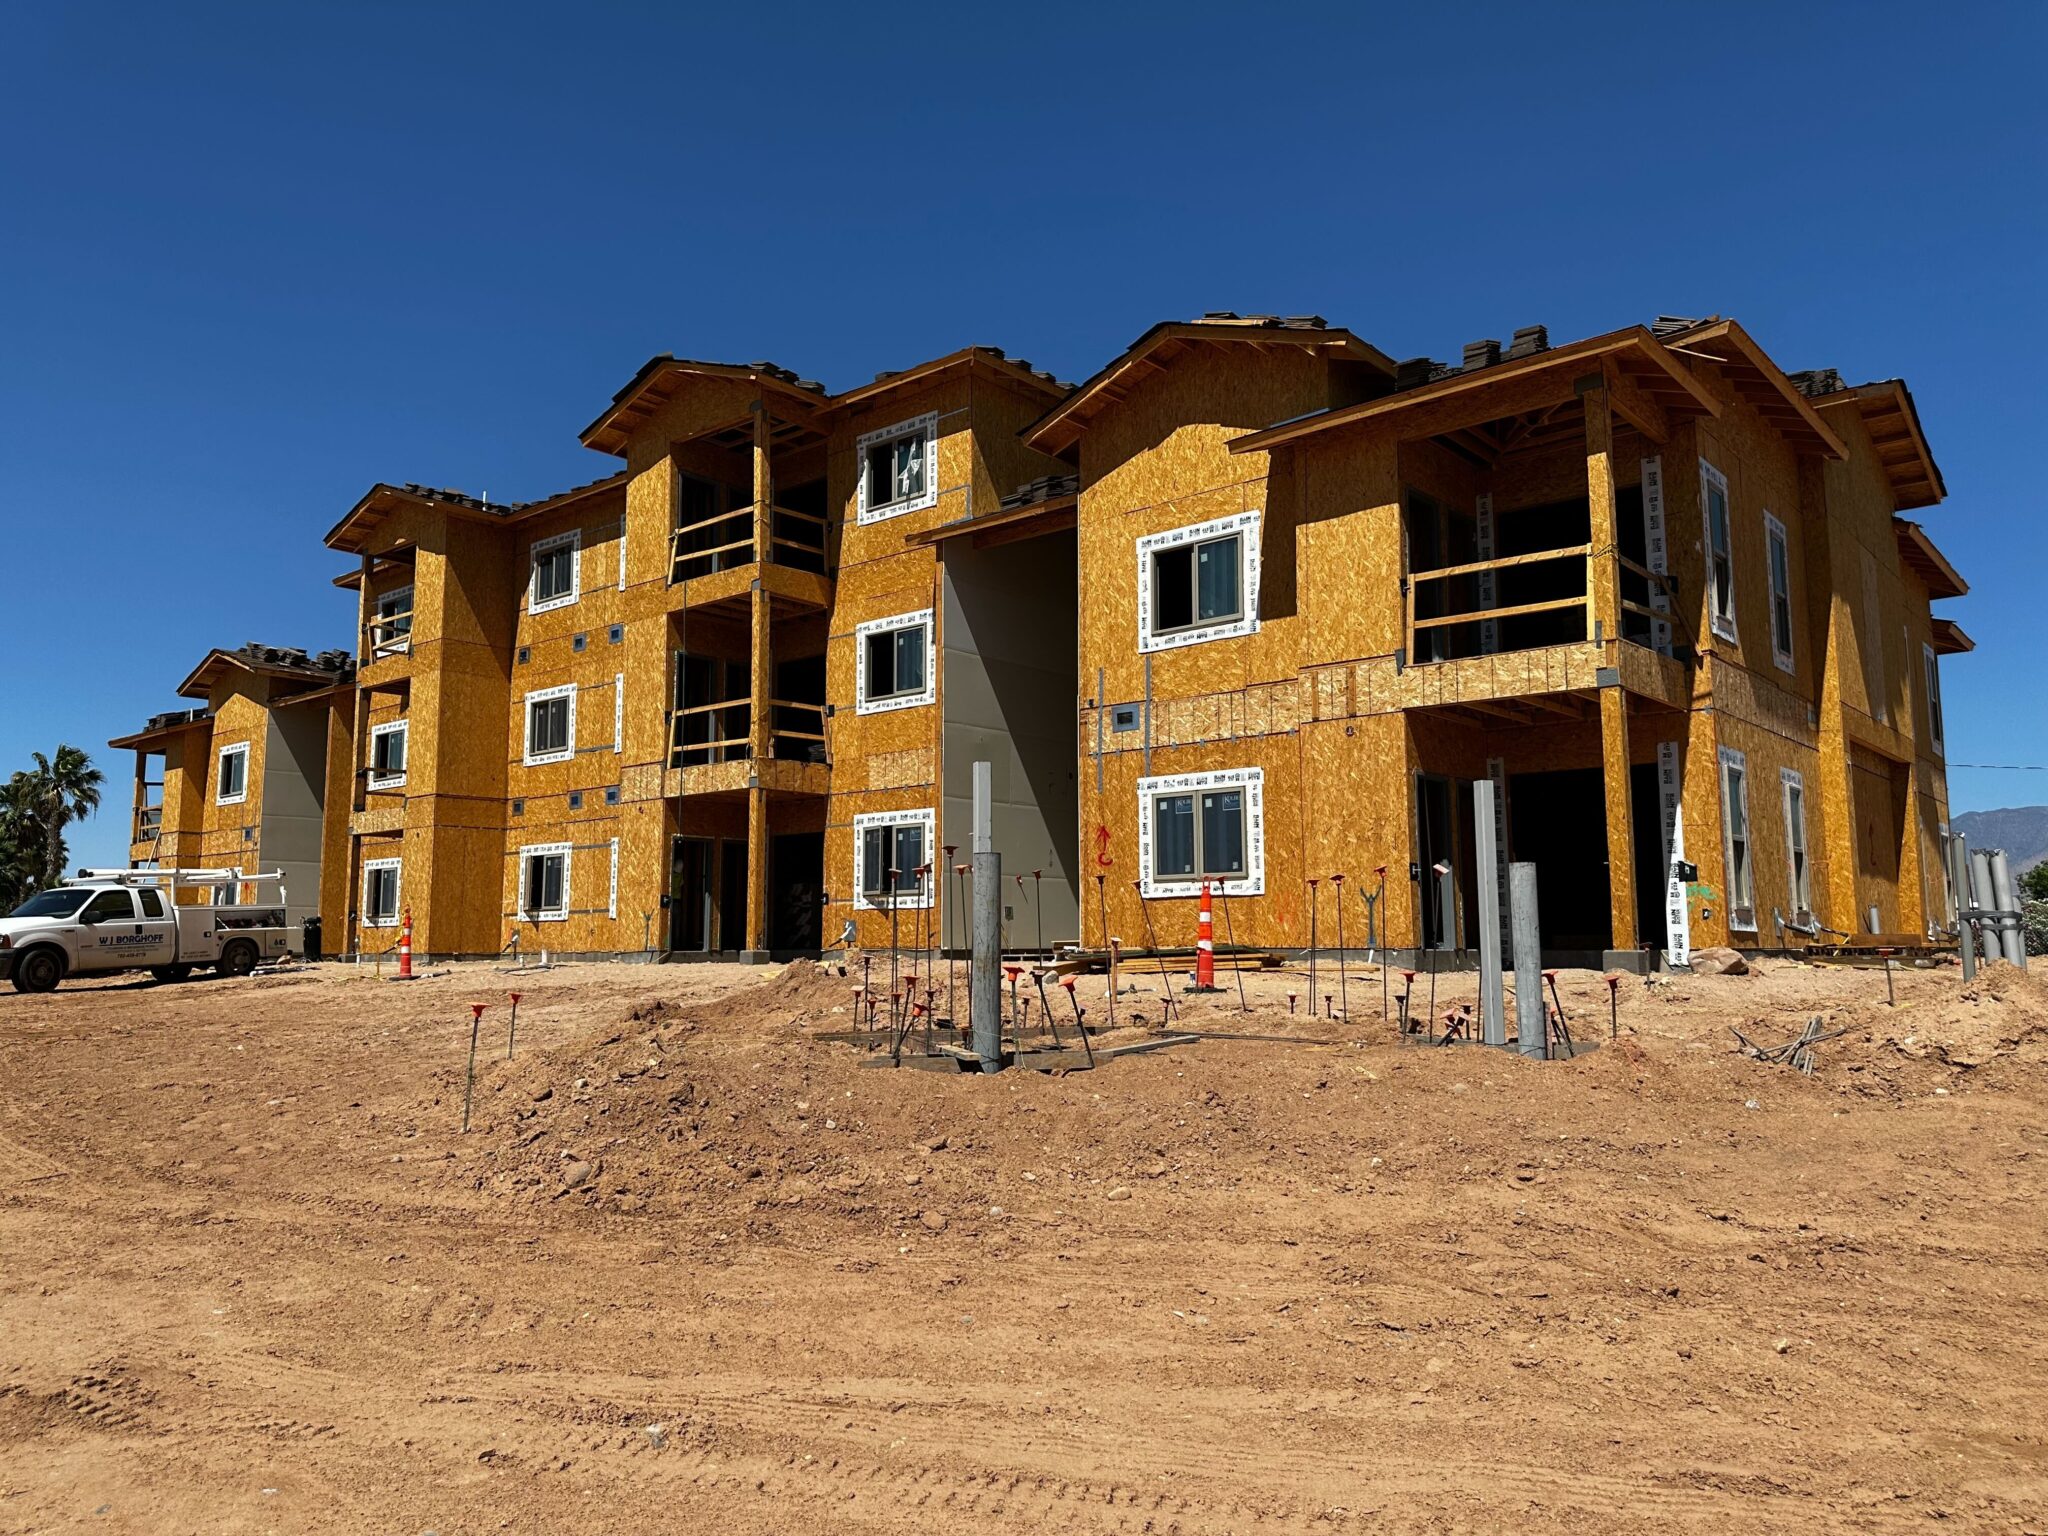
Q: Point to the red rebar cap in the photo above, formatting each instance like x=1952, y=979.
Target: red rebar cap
x=477, y=1009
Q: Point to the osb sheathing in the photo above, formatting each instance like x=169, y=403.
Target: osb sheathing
x=239, y=716
x=337, y=871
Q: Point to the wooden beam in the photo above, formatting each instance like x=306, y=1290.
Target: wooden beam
x=1633, y=404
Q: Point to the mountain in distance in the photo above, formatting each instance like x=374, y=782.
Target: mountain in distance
x=2021, y=830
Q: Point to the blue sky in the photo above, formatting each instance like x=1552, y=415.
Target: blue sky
x=254, y=259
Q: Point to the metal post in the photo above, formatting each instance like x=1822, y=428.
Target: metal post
x=1343, y=994
x=1980, y=898
x=1230, y=938
x=1312, y=905
x=1530, y=1034
x=1381, y=951
x=985, y=983
x=2011, y=932
x=476, y=1019
x=1493, y=1016
x=1959, y=878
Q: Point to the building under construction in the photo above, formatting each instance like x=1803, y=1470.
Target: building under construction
x=1255, y=605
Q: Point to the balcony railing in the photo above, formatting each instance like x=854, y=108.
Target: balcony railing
x=722, y=733
x=388, y=635
x=149, y=823
x=726, y=539
x=1434, y=611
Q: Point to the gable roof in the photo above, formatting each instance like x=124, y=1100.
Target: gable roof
x=1761, y=383
x=663, y=375
x=990, y=359
x=1894, y=425
x=1918, y=554
x=288, y=663
x=352, y=533
x=1063, y=426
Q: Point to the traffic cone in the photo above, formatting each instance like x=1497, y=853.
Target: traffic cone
x=405, y=947
x=1205, y=946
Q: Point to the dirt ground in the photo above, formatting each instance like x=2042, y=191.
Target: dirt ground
x=696, y=1268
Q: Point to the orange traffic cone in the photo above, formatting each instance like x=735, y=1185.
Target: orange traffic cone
x=405, y=947
x=1205, y=946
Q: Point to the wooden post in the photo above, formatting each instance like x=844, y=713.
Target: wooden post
x=1603, y=569
x=1614, y=769
x=761, y=672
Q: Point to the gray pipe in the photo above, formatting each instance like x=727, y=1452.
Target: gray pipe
x=1530, y=1035
x=2012, y=935
x=1980, y=898
x=1493, y=1017
x=1959, y=880
x=985, y=982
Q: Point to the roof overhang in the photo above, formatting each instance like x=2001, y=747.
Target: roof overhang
x=1761, y=383
x=158, y=735
x=1917, y=552
x=662, y=378
x=1646, y=384
x=1061, y=428
x=352, y=534
x=1056, y=514
x=199, y=684
x=987, y=360
x=1894, y=425
x=1949, y=639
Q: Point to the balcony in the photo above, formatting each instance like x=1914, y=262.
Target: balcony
x=725, y=541
x=149, y=823
x=388, y=635
x=722, y=733
x=1517, y=603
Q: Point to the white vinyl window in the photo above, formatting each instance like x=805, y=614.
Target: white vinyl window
x=1199, y=583
x=1934, y=721
x=544, y=882
x=1736, y=843
x=554, y=579
x=898, y=469
x=1780, y=556
x=1720, y=551
x=380, y=892
x=1194, y=827
x=391, y=627
x=387, y=755
x=551, y=725
x=1795, y=844
x=231, y=783
x=893, y=663
x=889, y=848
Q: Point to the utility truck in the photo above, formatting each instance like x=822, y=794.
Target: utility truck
x=129, y=920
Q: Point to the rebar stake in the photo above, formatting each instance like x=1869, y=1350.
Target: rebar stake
x=476, y=1020
x=1152, y=938
x=1613, y=1006
x=1312, y=905
x=1342, y=992
x=1236, y=960
x=512, y=1033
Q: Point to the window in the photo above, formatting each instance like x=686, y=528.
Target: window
x=1934, y=725
x=1202, y=826
x=387, y=755
x=1720, y=551
x=1199, y=583
x=391, y=629
x=152, y=902
x=898, y=469
x=892, y=840
x=109, y=907
x=894, y=663
x=1781, y=592
x=551, y=725
x=1795, y=843
x=232, y=783
x=1741, y=892
x=544, y=882
x=1198, y=835
x=554, y=572
x=380, y=892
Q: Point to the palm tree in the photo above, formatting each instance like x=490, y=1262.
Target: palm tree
x=21, y=841
x=66, y=789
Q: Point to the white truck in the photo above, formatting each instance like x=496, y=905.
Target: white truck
x=128, y=920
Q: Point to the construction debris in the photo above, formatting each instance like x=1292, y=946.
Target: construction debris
x=1796, y=1052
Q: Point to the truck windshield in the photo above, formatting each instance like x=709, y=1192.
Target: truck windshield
x=63, y=902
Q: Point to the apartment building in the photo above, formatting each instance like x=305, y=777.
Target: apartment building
x=1256, y=605
x=717, y=702
x=1657, y=591
x=242, y=781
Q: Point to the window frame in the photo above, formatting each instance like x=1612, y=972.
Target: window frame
x=1798, y=855
x=1727, y=758
x=867, y=509
x=541, y=548
x=369, y=919
x=1198, y=806
x=566, y=852
x=1246, y=527
x=866, y=703
x=563, y=754
x=220, y=792
x=1722, y=625
x=1776, y=540
x=1252, y=783
x=923, y=817
x=400, y=729
x=1937, y=724
x=400, y=600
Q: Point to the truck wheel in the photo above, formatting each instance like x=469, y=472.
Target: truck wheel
x=170, y=972
x=238, y=959
x=39, y=970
